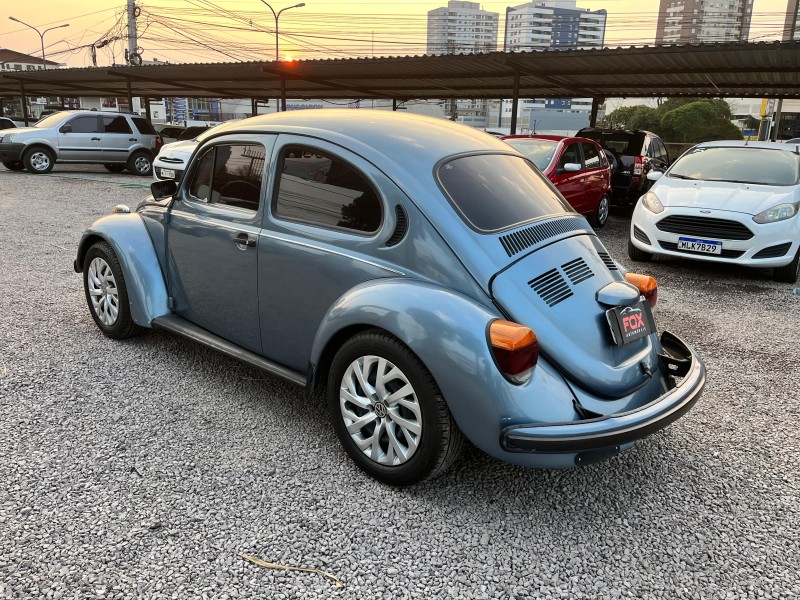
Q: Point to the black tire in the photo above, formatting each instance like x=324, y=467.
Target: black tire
x=600, y=216
x=789, y=273
x=638, y=255
x=123, y=326
x=39, y=160
x=14, y=165
x=440, y=440
x=140, y=163
x=114, y=168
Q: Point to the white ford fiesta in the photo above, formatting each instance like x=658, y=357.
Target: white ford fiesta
x=727, y=201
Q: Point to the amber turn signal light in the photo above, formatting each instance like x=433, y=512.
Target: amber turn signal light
x=647, y=286
x=515, y=349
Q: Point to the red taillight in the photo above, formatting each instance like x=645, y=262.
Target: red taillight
x=515, y=349
x=646, y=285
x=159, y=142
x=638, y=165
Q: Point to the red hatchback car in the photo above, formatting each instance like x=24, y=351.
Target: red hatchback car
x=578, y=168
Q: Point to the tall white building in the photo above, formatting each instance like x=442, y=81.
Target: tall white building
x=462, y=28
x=694, y=21
x=553, y=24
x=791, y=29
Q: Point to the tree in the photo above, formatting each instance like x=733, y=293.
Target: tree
x=631, y=117
x=699, y=121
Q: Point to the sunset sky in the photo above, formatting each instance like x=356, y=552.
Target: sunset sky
x=225, y=30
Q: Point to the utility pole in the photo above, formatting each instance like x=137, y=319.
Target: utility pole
x=133, y=43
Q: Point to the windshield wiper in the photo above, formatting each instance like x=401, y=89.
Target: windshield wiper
x=683, y=177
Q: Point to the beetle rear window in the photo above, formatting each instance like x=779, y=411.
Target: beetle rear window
x=498, y=191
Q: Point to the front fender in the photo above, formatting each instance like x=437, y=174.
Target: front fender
x=127, y=235
x=447, y=331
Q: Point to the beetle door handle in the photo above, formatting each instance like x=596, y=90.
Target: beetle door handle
x=95, y=139
x=244, y=240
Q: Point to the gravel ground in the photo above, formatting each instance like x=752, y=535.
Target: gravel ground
x=141, y=469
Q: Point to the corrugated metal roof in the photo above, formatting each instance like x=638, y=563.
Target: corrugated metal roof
x=730, y=69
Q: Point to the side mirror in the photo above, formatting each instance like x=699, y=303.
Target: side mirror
x=652, y=175
x=572, y=167
x=66, y=129
x=164, y=189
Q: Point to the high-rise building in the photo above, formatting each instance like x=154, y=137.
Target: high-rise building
x=694, y=21
x=791, y=29
x=554, y=24
x=462, y=28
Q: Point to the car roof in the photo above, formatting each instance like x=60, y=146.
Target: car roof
x=745, y=143
x=550, y=138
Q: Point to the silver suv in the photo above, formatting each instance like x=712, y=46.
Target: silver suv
x=115, y=140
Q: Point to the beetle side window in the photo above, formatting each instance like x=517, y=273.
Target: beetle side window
x=591, y=157
x=200, y=188
x=116, y=125
x=230, y=174
x=84, y=125
x=319, y=189
x=237, y=175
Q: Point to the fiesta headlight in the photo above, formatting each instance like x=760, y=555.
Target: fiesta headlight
x=651, y=202
x=7, y=138
x=777, y=213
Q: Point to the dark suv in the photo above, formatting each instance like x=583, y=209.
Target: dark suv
x=632, y=153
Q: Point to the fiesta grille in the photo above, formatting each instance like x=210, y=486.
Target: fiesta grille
x=518, y=241
x=551, y=287
x=725, y=253
x=705, y=227
x=608, y=261
x=641, y=236
x=773, y=251
x=401, y=227
x=577, y=270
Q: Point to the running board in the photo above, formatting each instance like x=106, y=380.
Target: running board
x=187, y=329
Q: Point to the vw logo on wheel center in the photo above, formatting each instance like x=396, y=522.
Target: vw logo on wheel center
x=380, y=409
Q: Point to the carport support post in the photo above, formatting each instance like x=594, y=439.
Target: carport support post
x=515, y=103
x=130, y=95
x=24, y=104
x=147, y=108
x=596, y=102
x=283, y=94
x=394, y=104
x=253, y=107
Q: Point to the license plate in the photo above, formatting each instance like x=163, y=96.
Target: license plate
x=168, y=173
x=630, y=323
x=698, y=245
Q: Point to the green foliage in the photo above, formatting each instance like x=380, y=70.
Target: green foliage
x=678, y=120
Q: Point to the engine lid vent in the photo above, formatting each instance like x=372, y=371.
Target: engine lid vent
x=577, y=270
x=518, y=241
x=551, y=287
x=608, y=261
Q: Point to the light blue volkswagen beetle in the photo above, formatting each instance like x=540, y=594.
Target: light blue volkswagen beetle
x=424, y=271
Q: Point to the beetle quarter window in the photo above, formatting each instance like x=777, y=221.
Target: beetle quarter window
x=231, y=175
x=319, y=189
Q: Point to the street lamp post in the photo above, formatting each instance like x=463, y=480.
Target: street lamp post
x=41, y=34
x=276, y=15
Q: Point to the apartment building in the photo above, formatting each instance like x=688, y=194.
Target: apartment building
x=695, y=21
x=553, y=24
x=462, y=28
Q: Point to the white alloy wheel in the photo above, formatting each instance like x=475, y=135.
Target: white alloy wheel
x=103, y=292
x=380, y=410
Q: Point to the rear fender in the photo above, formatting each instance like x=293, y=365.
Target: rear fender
x=448, y=332
x=127, y=235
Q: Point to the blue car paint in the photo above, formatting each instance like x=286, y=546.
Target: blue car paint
x=128, y=236
x=437, y=290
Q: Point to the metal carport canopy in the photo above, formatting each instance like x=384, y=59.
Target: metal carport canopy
x=724, y=69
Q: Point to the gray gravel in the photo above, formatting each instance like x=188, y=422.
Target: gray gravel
x=140, y=469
